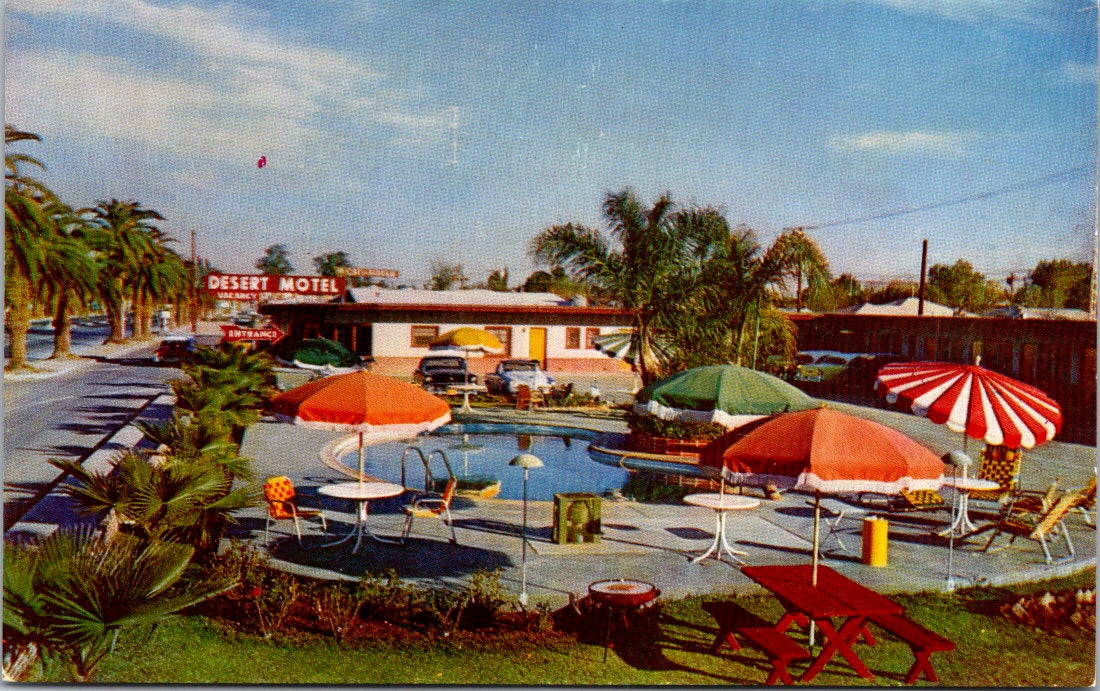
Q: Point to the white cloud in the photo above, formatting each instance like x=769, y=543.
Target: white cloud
x=1080, y=72
x=972, y=11
x=249, y=91
x=913, y=142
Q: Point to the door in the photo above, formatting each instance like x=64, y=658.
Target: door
x=537, y=345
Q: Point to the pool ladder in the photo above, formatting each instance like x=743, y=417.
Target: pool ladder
x=429, y=480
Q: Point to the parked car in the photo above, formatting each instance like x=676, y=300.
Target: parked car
x=174, y=350
x=825, y=368
x=510, y=374
x=437, y=373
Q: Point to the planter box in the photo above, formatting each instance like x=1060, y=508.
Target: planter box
x=688, y=449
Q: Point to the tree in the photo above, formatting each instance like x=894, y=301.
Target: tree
x=72, y=275
x=327, y=264
x=1057, y=283
x=554, y=281
x=645, y=262
x=894, y=290
x=122, y=235
x=26, y=225
x=445, y=276
x=961, y=287
x=159, y=276
x=498, y=280
x=275, y=262
x=803, y=259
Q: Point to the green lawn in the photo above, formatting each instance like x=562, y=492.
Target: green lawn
x=992, y=651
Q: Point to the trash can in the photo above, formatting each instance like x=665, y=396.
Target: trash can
x=875, y=540
x=576, y=518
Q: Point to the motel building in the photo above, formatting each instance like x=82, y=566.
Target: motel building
x=395, y=326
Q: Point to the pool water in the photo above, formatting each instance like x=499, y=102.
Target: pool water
x=567, y=467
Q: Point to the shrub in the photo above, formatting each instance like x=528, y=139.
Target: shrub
x=643, y=488
x=337, y=608
x=673, y=429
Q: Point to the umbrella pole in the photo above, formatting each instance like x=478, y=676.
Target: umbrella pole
x=817, y=547
x=360, y=459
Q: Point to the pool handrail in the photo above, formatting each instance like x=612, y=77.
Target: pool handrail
x=426, y=461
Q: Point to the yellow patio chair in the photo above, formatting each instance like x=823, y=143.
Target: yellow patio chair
x=282, y=505
x=1037, y=526
x=1086, y=502
x=917, y=500
x=1001, y=465
x=432, y=505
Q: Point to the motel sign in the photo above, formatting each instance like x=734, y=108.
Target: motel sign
x=249, y=286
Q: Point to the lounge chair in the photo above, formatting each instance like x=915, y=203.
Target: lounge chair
x=432, y=505
x=282, y=505
x=1020, y=521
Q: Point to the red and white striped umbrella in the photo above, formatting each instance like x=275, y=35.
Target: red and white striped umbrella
x=970, y=399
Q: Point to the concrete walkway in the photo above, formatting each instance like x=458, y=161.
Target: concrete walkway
x=646, y=541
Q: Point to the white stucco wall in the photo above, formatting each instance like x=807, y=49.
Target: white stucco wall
x=392, y=340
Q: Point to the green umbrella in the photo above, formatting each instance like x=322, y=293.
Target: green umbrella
x=726, y=394
x=322, y=351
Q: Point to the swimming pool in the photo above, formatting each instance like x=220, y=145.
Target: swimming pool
x=563, y=450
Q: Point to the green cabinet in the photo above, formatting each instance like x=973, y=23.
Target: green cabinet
x=576, y=518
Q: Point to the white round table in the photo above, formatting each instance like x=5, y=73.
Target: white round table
x=362, y=493
x=964, y=486
x=721, y=504
x=466, y=390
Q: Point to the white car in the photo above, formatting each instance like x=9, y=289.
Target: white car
x=510, y=374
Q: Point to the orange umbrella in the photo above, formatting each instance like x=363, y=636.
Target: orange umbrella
x=828, y=451
x=363, y=402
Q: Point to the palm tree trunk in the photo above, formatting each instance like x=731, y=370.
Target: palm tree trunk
x=62, y=328
x=798, y=293
x=116, y=320
x=138, y=309
x=19, y=320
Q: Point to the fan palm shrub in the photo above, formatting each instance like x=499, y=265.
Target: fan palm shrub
x=68, y=595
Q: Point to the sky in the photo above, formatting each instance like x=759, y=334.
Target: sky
x=407, y=133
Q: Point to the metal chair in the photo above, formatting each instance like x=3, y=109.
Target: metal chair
x=432, y=505
x=282, y=505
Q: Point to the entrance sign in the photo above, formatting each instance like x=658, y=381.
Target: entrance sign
x=248, y=286
x=354, y=271
x=231, y=334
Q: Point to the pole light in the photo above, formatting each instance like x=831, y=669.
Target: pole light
x=525, y=461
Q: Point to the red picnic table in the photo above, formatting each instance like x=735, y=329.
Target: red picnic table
x=834, y=596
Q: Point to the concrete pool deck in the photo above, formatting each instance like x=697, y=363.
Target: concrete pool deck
x=653, y=542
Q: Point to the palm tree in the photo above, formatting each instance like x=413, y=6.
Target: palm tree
x=803, y=258
x=649, y=257
x=72, y=276
x=26, y=224
x=70, y=594
x=160, y=276
x=122, y=237
x=275, y=261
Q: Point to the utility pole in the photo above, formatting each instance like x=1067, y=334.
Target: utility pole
x=923, y=268
x=194, y=287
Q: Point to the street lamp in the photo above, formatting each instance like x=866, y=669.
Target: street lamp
x=525, y=461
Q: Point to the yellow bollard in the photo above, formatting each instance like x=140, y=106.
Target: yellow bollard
x=875, y=540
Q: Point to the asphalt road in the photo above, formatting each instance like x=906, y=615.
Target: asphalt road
x=66, y=417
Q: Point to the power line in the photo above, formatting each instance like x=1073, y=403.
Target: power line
x=1027, y=184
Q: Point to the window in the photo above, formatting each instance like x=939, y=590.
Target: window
x=590, y=337
x=422, y=336
x=504, y=335
x=572, y=337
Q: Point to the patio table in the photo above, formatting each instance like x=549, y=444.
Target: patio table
x=361, y=493
x=834, y=597
x=964, y=486
x=721, y=504
x=466, y=390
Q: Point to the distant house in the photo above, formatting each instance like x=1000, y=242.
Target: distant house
x=396, y=326
x=1018, y=312
x=904, y=307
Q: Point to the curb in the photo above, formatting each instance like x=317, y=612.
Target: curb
x=55, y=510
x=80, y=362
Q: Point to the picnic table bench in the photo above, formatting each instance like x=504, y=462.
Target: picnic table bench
x=921, y=641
